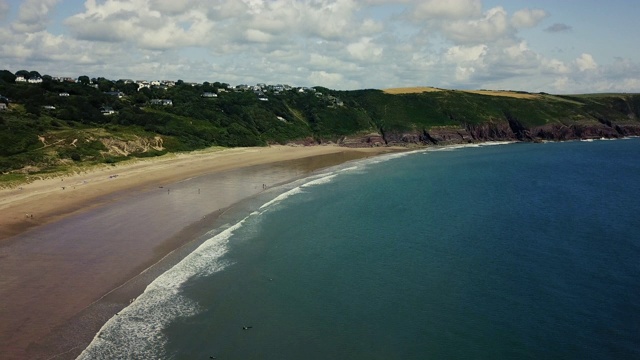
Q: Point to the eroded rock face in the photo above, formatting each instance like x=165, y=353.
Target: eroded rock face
x=494, y=131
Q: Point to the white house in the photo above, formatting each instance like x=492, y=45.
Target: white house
x=20, y=79
x=35, y=80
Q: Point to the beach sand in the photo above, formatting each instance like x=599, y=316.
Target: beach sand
x=75, y=250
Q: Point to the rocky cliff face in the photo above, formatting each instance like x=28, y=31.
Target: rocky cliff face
x=510, y=130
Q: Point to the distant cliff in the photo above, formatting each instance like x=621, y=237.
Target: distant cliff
x=454, y=117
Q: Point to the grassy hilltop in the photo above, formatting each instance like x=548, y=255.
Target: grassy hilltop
x=53, y=125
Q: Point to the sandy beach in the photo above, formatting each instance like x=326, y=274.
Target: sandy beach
x=75, y=249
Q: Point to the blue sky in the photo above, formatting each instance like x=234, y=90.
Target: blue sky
x=568, y=46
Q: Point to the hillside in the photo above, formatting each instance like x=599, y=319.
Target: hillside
x=57, y=124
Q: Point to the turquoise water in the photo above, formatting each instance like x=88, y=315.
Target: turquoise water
x=512, y=251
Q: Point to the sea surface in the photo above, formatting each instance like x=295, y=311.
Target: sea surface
x=515, y=251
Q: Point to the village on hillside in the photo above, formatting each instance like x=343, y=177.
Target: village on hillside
x=123, y=87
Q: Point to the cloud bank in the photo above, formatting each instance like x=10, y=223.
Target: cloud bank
x=342, y=44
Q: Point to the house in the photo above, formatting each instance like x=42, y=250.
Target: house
x=143, y=84
x=209, y=95
x=20, y=79
x=163, y=102
x=119, y=94
x=35, y=80
x=64, y=94
x=3, y=106
x=107, y=110
x=49, y=107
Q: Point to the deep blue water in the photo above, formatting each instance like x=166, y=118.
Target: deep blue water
x=523, y=251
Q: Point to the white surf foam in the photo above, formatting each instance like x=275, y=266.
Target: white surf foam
x=473, y=145
x=136, y=333
x=323, y=180
x=281, y=197
x=350, y=168
x=304, y=183
x=387, y=157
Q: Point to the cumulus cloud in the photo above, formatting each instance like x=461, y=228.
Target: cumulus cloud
x=333, y=43
x=33, y=15
x=365, y=50
x=527, y=18
x=449, y=10
x=492, y=26
x=586, y=62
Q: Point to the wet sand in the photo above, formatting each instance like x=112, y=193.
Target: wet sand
x=94, y=245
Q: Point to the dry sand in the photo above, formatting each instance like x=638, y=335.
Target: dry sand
x=63, y=269
x=46, y=200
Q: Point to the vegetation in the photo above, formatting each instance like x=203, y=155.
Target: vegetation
x=56, y=123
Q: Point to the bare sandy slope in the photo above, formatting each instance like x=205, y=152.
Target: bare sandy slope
x=46, y=200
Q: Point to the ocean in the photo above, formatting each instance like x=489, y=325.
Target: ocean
x=523, y=251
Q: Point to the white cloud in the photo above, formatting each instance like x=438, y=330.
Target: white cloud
x=586, y=62
x=333, y=43
x=465, y=54
x=527, y=18
x=332, y=80
x=33, y=15
x=365, y=50
x=555, y=66
x=492, y=26
x=449, y=10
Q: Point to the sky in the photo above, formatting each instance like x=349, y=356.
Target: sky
x=555, y=46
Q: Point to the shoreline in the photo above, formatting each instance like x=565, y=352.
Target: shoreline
x=39, y=268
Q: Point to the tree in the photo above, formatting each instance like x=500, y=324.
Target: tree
x=84, y=79
x=23, y=73
x=105, y=84
x=34, y=74
x=7, y=76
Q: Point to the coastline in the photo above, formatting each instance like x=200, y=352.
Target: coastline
x=58, y=290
